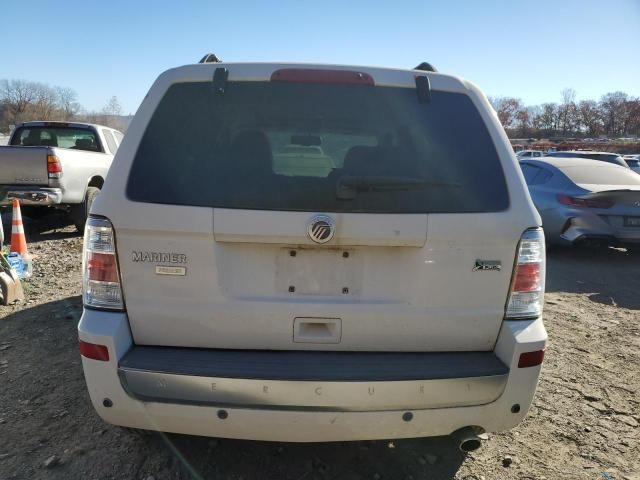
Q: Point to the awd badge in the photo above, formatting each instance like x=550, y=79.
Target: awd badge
x=494, y=265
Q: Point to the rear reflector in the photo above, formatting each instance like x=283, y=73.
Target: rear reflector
x=531, y=359
x=527, y=286
x=306, y=75
x=94, y=351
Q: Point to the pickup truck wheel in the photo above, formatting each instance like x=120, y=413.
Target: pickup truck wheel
x=80, y=212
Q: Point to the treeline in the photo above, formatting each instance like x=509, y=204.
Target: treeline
x=22, y=100
x=615, y=115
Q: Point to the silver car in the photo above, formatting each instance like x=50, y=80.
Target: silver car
x=581, y=200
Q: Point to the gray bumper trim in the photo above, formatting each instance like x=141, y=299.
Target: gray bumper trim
x=313, y=365
x=336, y=381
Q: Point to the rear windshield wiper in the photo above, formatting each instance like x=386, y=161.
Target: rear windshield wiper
x=349, y=186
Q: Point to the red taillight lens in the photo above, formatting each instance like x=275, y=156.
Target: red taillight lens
x=102, y=267
x=308, y=75
x=53, y=164
x=567, y=200
x=527, y=277
x=531, y=359
x=584, y=202
x=94, y=351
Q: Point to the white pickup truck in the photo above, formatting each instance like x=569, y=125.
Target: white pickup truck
x=57, y=164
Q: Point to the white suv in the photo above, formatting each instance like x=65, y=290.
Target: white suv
x=528, y=154
x=386, y=283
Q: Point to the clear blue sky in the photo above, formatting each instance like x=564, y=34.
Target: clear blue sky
x=527, y=49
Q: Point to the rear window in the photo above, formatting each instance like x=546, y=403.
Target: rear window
x=633, y=163
x=603, y=157
x=62, y=137
x=314, y=147
x=111, y=142
x=601, y=175
x=535, y=175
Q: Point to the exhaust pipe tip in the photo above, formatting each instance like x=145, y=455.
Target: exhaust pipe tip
x=470, y=445
x=468, y=438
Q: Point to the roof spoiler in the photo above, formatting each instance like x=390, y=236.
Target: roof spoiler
x=209, y=58
x=426, y=67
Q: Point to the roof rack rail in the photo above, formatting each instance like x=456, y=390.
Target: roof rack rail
x=426, y=67
x=210, y=58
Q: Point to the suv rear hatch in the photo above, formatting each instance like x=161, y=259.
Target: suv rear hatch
x=229, y=181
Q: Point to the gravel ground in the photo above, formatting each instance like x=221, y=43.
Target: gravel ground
x=583, y=425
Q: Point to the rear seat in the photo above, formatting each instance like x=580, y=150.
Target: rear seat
x=251, y=160
x=85, y=144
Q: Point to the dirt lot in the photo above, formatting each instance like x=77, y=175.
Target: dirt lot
x=583, y=425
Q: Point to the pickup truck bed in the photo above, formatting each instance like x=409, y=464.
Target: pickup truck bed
x=55, y=164
x=24, y=175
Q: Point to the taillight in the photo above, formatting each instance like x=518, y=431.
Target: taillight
x=527, y=285
x=54, y=167
x=100, y=275
x=584, y=202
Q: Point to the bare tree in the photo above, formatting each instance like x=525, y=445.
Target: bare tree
x=506, y=108
x=112, y=107
x=634, y=117
x=548, y=119
x=590, y=117
x=67, y=103
x=522, y=120
x=17, y=95
x=109, y=115
x=44, y=105
x=616, y=114
x=612, y=107
x=567, y=111
x=23, y=100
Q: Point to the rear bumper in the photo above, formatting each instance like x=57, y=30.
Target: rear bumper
x=33, y=196
x=353, y=405
x=579, y=227
x=312, y=380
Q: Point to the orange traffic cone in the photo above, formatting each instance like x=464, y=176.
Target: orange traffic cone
x=18, y=240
